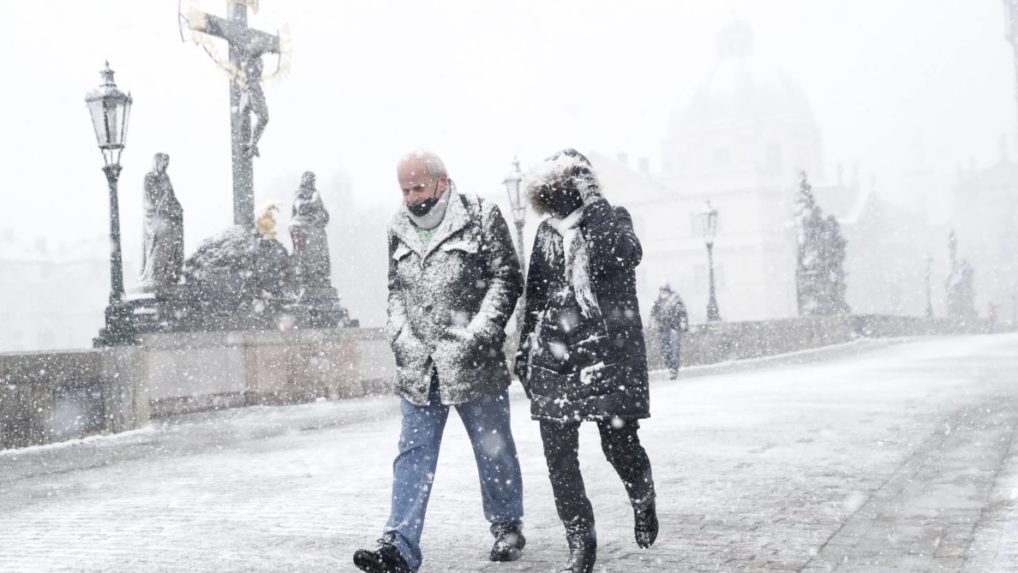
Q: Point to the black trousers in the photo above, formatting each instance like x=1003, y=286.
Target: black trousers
x=621, y=446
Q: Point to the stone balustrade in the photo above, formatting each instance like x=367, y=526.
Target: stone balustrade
x=53, y=396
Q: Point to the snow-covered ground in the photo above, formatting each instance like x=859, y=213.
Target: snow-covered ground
x=869, y=457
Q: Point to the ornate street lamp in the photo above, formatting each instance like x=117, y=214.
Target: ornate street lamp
x=709, y=226
x=110, y=109
x=513, y=187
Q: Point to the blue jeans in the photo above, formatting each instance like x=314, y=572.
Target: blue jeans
x=668, y=339
x=487, y=423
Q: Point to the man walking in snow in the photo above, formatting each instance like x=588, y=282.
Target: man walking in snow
x=670, y=317
x=453, y=283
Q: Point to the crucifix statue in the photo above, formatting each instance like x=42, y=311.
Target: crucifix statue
x=247, y=46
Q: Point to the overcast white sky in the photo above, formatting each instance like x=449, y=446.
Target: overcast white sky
x=477, y=81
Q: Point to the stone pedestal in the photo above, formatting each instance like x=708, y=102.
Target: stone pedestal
x=190, y=371
x=125, y=402
x=323, y=308
x=54, y=396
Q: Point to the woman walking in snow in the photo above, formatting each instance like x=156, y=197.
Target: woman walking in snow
x=582, y=354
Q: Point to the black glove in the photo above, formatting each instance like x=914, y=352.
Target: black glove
x=587, y=187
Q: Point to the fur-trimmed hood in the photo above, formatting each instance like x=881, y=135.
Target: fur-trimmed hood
x=562, y=171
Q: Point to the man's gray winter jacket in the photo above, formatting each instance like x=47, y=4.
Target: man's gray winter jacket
x=449, y=302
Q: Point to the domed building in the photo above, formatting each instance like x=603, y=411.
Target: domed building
x=741, y=143
x=748, y=124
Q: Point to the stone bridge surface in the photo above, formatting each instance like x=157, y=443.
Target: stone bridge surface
x=871, y=456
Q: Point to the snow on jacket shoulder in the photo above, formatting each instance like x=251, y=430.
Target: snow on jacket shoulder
x=449, y=302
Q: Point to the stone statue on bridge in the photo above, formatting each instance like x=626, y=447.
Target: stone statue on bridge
x=163, y=251
x=307, y=230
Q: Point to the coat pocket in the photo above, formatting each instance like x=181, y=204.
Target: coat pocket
x=463, y=259
x=597, y=380
x=601, y=379
x=401, y=251
x=547, y=383
x=464, y=245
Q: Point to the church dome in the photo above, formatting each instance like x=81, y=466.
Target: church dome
x=748, y=122
x=743, y=89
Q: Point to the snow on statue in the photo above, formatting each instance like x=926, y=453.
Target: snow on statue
x=819, y=273
x=307, y=230
x=163, y=251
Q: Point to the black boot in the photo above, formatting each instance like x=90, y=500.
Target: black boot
x=509, y=542
x=582, y=541
x=385, y=559
x=646, y=524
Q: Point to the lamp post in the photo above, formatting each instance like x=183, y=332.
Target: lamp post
x=513, y=187
x=110, y=110
x=709, y=226
x=928, y=260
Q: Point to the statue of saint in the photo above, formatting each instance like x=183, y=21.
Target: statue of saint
x=307, y=229
x=163, y=252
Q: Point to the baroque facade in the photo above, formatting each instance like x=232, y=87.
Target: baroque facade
x=741, y=143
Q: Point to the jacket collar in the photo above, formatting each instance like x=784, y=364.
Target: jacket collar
x=456, y=218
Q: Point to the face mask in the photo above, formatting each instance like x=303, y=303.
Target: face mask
x=421, y=209
x=424, y=207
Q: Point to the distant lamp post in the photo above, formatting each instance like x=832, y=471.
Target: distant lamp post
x=709, y=226
x=110, y=109
x=513, y=187
x=928, y=260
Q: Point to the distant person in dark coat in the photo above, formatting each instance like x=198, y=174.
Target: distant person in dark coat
x=670, y=318
x=582, y=354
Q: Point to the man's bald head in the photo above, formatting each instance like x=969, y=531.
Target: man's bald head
x=433, y=164
x=421, y=175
